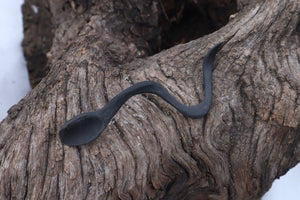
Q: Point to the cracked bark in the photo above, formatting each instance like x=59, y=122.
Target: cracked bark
x=150, y=151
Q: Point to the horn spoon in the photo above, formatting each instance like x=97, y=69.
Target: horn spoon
x=86, y=127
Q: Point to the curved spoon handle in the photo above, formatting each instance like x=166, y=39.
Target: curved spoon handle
x=197, y=111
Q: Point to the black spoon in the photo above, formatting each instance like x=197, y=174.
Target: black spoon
x=86, y=127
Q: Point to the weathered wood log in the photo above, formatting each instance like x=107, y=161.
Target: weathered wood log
x=250, y=137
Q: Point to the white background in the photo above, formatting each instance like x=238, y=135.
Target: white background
x=14, y=85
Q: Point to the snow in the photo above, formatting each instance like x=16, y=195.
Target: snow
x=14, y=85
x=35, y=9
x=286, y=187
x=14, y=82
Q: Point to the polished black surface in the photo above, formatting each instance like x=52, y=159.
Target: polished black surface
x=86, y=127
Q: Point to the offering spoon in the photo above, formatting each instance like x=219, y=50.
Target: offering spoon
x=86, y=127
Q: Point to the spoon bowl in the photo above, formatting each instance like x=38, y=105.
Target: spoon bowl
x=82, y=129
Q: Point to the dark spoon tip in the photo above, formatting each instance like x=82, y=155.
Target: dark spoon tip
x=81, y=129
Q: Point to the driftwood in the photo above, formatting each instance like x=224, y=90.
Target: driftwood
x=94, y=50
